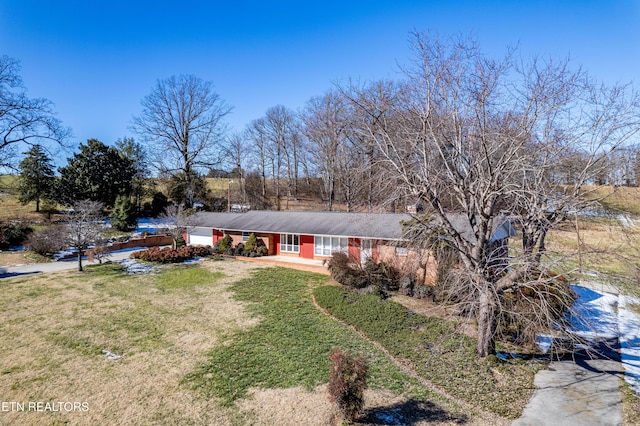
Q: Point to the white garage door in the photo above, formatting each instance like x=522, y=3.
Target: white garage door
x=200, y=237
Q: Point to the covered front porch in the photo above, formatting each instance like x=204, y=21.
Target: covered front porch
x=300, y=263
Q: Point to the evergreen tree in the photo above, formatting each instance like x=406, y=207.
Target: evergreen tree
x=124, y=216
x=136, y=153
x=97, y=173
x=36, y=176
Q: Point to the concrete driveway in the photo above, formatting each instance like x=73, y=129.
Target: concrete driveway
x=583, y=392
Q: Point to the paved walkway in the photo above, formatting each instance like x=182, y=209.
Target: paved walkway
x=299, y=263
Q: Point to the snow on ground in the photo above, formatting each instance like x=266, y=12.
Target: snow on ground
x=151, y=226
x=134, y=268
x=604, y=316
x=629, y=323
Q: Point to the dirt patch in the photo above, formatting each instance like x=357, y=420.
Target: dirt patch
x=298, y=406
x=13, y=258
x=295, y=406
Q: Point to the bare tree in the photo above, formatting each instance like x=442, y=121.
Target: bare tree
x=486, y=135
x=256, y=134
x=278, y=139
x=23, y=120
x=177, y=221
x=182, y=120
x=84, y=227
x=237, y=153
x=326, y=124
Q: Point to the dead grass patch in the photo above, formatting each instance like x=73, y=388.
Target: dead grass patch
x=13, y=258
x=55, y=327
x=450, y=313
x=299, y=406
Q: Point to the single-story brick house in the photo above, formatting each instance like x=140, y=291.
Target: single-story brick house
x=315, y=235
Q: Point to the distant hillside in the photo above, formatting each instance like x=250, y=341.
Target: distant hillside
x=621, y=199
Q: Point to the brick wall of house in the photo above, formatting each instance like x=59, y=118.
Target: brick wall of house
x=420, y=261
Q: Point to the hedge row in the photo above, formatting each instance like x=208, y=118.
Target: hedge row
x=171, y=255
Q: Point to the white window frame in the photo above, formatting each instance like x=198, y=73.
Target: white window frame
x=290, y=243
x=325, y=245
x=245, y=236
x=401, y=251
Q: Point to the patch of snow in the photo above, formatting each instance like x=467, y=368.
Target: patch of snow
x=629, y=323
x=111, y=355
x=151, y=226
x=134, y=268
x=597, y=315
x=390, y=418
x=594, y=314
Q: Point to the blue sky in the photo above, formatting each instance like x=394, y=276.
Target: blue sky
x=97, y=59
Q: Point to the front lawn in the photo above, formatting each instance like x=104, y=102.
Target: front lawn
x=222, y=343
x=436, y=351
x=290, y=343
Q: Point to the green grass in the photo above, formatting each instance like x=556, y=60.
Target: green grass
x=184, y=277
x=139, y=324
x=437, y=352
x=290, y=345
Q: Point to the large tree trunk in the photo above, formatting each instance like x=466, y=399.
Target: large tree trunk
x=79, y=260
x=486, y=344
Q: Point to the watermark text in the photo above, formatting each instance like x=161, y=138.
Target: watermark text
x=44, y=406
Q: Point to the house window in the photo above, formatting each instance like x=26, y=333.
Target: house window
x=401, y=251
x=290, y=243
x=245, y=236
x=324, y=246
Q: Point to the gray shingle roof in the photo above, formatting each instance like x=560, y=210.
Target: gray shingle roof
x=360, y=225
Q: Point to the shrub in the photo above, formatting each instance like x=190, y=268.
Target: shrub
x=13, y=233
x=224, y=244
x=239, y=250
x=381, y=275
x=171, y=255
x=347, y=382
x=252, y=243
x=346, y=272
x=46, y=241
x=124, y=216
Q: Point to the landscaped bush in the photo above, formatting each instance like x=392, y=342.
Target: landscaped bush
x=46, y=241
x=344, y=271
x=347, y=382
x=254, y=247
x=223, y=245
x=171, y=255
x=252, y=243
x=352, y=274
x=238, y=250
